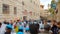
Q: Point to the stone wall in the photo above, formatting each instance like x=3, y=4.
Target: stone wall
x=33, y=7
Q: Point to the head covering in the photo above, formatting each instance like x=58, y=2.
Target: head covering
x=21, y=27
x=20, y=33
x=27, y=27
x=9, y=26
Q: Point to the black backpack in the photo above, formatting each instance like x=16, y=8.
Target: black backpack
x=47, y=27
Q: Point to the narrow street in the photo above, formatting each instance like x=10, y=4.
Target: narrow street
x=30, y=16
x=39, y=33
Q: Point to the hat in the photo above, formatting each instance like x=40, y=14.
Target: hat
x=9, y=26
x=20, y=33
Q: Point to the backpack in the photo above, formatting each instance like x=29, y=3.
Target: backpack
x=47, y=27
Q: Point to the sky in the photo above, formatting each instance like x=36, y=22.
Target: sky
x=45, y=3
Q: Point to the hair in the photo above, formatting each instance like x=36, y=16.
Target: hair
x=20, y=30
x=44, y=21
x=58, y=23
x=54, y=20
x=0, y=23
x=18, y=20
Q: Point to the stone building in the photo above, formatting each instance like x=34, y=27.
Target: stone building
x=58, y=8
x=15, y=9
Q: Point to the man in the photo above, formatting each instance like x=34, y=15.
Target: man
x=3, y=26
x=37, y=26
x=46, y=27
x=41, y=26
x=5, y=21
x=0, y=25
x=58, y=25
x=27, y=28
x=8, y=29
x=20, y=30
x=33, y=29
x=54, y=28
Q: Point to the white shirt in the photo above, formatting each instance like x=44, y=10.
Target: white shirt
x=41, y=25
x=0, y=30
x=13, y=32
x=3, y=27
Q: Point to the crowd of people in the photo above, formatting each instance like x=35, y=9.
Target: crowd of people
x=33, y=27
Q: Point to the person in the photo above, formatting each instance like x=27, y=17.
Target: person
x=37, y=26
x=5, y=21
x=24, y=24
x=20, y=31
x=0, y=25
x=33, y=29
x=15, y=28
x=41, y=26
x=18, y=22
x=8, y=29
x=58, y=24
x=47, y=27
x=27, y=28
x=54, y=28
x=3, y=26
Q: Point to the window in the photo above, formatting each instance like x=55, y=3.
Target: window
x=22, y=3
x=15, y=10
x=5, y=9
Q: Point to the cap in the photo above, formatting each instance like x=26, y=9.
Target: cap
x=20, y=33
x=9, y=26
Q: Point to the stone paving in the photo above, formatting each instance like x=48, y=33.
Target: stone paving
x=39, y=33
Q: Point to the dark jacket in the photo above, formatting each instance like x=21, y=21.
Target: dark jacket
x=7, y=33
x=54, y=29
x=33, y=29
